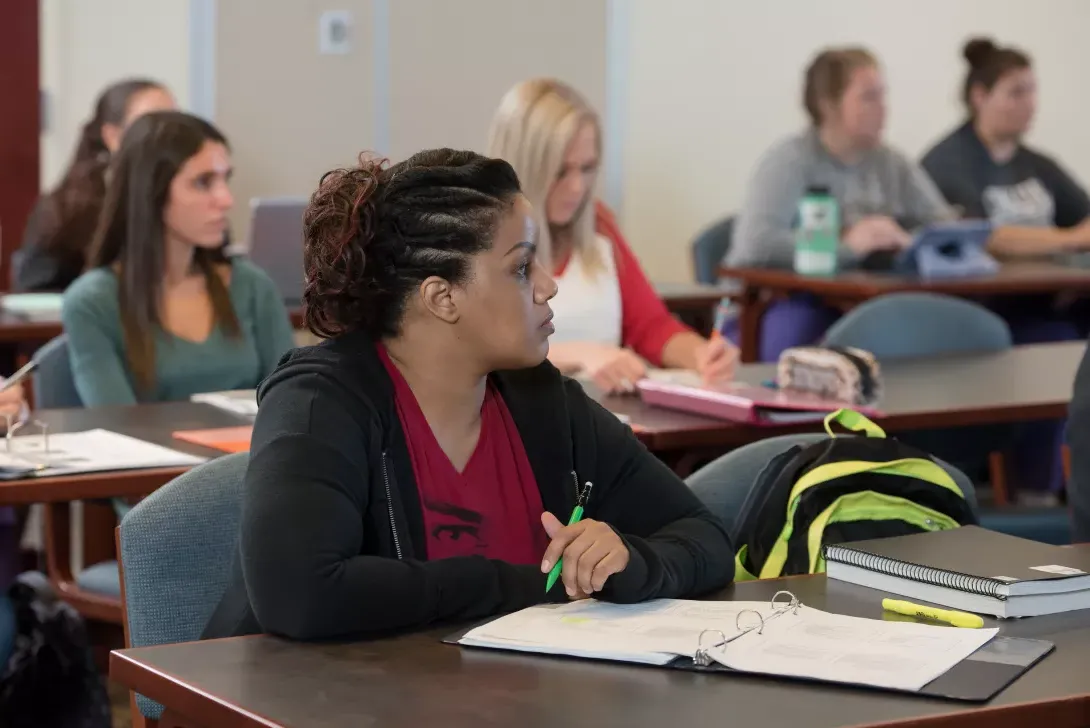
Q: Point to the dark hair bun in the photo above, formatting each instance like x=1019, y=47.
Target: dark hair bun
x=977, y=50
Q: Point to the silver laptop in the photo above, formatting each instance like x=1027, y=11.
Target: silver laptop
x=276, y=242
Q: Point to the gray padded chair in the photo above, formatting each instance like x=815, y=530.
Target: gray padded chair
x=177, y=547
x=724, y=483
x=709, y=248
x=54, y=387
x=900, y=325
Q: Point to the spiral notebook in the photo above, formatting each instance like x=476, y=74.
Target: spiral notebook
x=782, y=638
x=969, y=568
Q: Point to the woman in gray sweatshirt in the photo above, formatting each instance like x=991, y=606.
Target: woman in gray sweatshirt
x=882, y=194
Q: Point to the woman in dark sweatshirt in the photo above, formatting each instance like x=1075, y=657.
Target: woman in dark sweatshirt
x=58, y=234
x=420, y=463
x=985, y=168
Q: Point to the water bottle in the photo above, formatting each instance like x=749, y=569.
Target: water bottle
x=818, y=233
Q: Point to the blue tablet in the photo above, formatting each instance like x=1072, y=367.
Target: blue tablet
x=950, y=250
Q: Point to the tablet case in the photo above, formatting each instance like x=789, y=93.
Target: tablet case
x=950, y=250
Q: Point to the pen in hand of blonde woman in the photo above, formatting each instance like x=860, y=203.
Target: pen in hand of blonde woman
x=716, y=360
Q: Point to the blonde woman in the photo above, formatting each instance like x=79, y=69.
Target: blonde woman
x=609, y=321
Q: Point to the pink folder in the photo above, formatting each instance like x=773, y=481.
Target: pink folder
x=745, y=403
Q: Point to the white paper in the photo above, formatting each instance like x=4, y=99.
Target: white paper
x=86, y=452
x=656, y=631
x=686, y=377
x=240, y=402
x=810, y=643
x=820, y=645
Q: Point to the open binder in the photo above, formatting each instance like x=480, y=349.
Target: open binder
x=780, y=639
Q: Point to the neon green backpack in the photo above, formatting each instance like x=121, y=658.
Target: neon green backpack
x=838, y=490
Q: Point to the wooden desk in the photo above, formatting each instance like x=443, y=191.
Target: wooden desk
x=760, y=285
x=1023, y=383
x=417, y=681
x=693, y=303
x=151, y=422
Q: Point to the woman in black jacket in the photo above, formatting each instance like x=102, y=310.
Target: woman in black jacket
x=59, y=231
x=416, y=465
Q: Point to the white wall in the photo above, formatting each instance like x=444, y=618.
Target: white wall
x=433, y=79
x=711, y=84
x=88, y=44
x=451, y=62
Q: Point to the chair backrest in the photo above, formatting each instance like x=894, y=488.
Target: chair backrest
x=176, y=550
x=709, y=248
x=902, y=325
x=723, y=484
x=54, y=386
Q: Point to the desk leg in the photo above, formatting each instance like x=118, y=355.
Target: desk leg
x=749, y=324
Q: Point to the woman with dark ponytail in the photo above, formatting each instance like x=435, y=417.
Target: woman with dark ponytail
x=60, y=228
x=984, y=168
x=416, y=465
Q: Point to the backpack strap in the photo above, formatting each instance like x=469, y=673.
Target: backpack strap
x=852, y=420
x=908, y=467
x=741, y=573
x=866, y=504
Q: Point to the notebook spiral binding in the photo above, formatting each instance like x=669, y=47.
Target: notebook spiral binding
x=916, y=572
x=702, y=657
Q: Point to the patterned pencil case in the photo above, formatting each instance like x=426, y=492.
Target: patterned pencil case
x=844, y=374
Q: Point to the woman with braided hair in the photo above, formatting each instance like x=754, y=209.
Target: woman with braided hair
x=415, y=465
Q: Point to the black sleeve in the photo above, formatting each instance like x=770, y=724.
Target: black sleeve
x=951, y=174
x=1072, y=203
x=677, y=548
x=1078, y=440
x=305, y=515
x=36, y=268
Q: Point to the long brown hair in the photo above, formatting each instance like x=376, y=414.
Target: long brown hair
x=130, y=235
x=72, y=208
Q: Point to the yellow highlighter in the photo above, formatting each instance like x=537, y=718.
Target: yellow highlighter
x=957, y=619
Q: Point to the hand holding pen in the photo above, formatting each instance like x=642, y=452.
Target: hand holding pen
x=11, y=392
x=718, y=358
x=583, y=553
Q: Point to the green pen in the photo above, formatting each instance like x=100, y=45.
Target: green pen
x=576, y=516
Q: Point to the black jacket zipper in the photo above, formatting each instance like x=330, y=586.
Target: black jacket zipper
x=390, y=506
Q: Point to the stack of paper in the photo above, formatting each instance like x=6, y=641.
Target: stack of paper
x=33, y=306
x=70, y=453
x=240, y=402
x=807, y=643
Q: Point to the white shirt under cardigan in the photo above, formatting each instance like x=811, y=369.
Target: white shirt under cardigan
x=587, y=306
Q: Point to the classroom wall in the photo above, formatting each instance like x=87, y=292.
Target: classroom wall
x=421, y=73
x=88, y=45
x=711, y=84
x=692, y=91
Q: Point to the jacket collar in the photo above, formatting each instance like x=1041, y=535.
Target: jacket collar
x=535, y=398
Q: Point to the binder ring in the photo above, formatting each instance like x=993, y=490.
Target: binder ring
x=760, y=628
x=702, y=656
x=700, y=639
x=791, y=605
